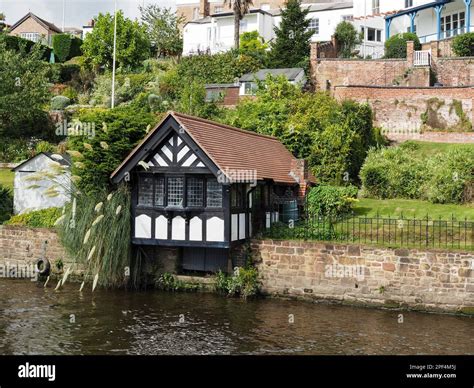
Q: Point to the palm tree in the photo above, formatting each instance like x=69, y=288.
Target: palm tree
x=240, y=8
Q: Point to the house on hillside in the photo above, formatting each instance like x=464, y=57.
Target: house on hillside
x=245, y=86
x=200, y=189
x=41, y=182
x=214, y=32
x=34, y=28
x=431, y=20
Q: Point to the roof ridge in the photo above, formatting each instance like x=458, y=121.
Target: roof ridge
x=244, y=131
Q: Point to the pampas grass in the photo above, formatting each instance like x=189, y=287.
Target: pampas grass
x=101, y=243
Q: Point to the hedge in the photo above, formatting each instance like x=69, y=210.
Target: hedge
x=396, y=46
x=463, y=45
x=45, y=218
x=17, y=43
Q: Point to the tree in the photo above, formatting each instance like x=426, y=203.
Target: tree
x=240, y=8
x=291, y=46
x=163, y=29
x=61, y=46
x=347, y=39
x=24, y=77
x=253, y=45
x=133, y=44
x=117, y=132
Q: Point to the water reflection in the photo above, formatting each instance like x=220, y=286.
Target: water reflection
x=38, y=321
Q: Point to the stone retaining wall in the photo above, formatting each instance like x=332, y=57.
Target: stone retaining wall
x=406, y=278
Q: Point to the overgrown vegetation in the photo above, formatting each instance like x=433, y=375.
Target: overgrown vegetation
x=347, y=39
x=169, y=282
x=6, y=203
x=331, y=201
x=44, y=218
x=403, y=172
x=244, y=282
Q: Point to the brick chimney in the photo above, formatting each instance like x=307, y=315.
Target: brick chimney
x=204, y=8
x=300, y=172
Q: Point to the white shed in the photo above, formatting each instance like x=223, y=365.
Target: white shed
x=42, y=182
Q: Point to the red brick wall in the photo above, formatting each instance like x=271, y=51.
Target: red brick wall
x=399, y=110
x=455, y=71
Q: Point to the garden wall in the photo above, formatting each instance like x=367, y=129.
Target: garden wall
x=20, y=246
x=407, y=110
x=353, y=274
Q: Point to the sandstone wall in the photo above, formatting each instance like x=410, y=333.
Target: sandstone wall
x=412, y=278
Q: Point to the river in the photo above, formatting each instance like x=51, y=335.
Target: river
x=34, y=320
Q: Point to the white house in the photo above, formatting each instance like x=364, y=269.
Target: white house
x=215, y=33
x=429, y=19
x=41, y=182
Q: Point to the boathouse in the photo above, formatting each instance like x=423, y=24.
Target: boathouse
x=202, y=189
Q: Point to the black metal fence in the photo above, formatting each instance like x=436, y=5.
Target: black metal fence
x=386, y=231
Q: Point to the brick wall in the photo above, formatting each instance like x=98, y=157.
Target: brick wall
x=409, y=110
x=20, y=246
x=454, y=71
x=329, y=73
x=419, y=279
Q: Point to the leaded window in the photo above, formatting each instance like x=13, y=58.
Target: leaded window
x=195, y=192
x=159, y=191
x=145, y=191
x=175, y=191
x=214, y=193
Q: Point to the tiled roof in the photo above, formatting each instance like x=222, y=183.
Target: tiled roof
x=232, y=148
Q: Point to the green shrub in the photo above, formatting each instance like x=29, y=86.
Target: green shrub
x=452, y=176
x=243, y=282
x=347, y=39
x=331, y=201
x=66, y=72
x=404, y=172
x=70, y=93
x=19, y=44
x=6, y=204
x=463, y=45
x=396, y=46
x=61, y=45
x=60, y=102
x=37, y=219
x=76, y=48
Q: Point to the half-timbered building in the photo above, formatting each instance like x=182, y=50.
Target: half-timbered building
x=203, y=188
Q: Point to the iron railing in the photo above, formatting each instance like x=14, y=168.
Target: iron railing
x=386, y=231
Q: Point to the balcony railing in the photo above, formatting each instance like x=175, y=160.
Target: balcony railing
x=445, y=34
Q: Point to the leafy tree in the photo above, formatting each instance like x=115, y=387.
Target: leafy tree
x=99, y=157
x=24, y=92
x=133, y=44
x=334, y=137
x=396, y=46
x=193, y=101
x=240, y=8
x=347, y=39
x=291, y=46
x=253, y=45
x=2, y=21
x=163, y=29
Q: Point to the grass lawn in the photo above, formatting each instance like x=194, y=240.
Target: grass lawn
x=6, y=177
x=428, y=148
x=410, y=208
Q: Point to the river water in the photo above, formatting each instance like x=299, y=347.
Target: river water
x=34, y=320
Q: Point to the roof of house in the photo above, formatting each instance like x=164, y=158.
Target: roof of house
x=221, y=86
x=43, y=22
x=64, y=160
x=232, y=148
x=290, y=74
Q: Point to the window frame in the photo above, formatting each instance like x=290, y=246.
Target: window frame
x=316, y=28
